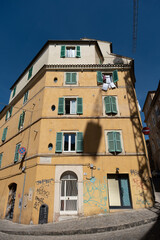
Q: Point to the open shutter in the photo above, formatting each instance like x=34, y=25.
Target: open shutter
x=111, y=145
x=30, y=73
x=10, y=111
x=79, y=142
x=99, y=78
x=20, y=122
x=16, y=156
x=107, y=104
x=59, y=138
x=63, y=50
x=115, y=76
x=6, y=116
x=74, y=78
x=113, y=104
x=14, y=92
x=23, y=115
x=118, y=145
x=61, y=106
x=4, y=134
x=79, y=106
x=78, y=53
x=1, y=155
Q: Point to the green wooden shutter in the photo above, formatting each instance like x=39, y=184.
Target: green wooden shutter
x=68, y=78
x=74, y=78
x=30, y=73
x=61, y=106
x=25, y=97
x=99, y=78
x=79, y=142
x=4, y=134
x=21, y=120
x=16, y=156
x=63, y=50
x=6, y=115
x=1, y=155
x=14, y=91
x=115, y=76
x=23, y=115
x=111, y=144
x=59, y=139
x=78, y=53
x=117, y=138
x=10, y=111
x=113, y=104
x=107, y=104
x=79, y=105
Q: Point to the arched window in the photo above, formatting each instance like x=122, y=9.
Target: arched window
x=69, y=193
x=11, y=200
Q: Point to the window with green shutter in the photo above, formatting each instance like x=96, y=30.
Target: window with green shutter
x=114, y=142
x=4, y=134
x=25, y=97
x=110, y=105
x=61, y=106
x=79, y=106
x=99, y=78
x=21, y=120
x=78, y=53
x=79, y=142
x=8, y=114
x=59, y=138
x=115, y=76
x=71, y=78
x=30, y=73
x=14, y=92
x=63, y=51
x=1, y=155
x=16, y=155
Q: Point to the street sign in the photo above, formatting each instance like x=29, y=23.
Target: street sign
x=146, y=130
x=22, y=150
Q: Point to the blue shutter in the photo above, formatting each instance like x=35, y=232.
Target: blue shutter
x=79, y=142
x=111, y=144
x=63, y=50
x=124, y=191
x=80, y=106
x=113, y=104
x=99, y=78
x=61, y=106
x=115, y=76
x=78, y=53
x=117, y=138
x=107, y=105
x=4, y=134
x=59, y=139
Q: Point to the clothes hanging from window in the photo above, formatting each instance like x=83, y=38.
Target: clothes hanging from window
x=107, y=82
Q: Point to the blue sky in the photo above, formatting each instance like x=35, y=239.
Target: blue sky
x=26, y=26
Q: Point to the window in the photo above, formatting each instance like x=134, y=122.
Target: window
x=8, y=114
x=14, y=92
x=30, y=73
x=70, y=106
x=71, y=78
x=1, y=155
x=114, y=142
x=119, y=191
x=70, y=51
x=69, y=142
x=4, y=134
x=16, y=155
x=110, y=103
x=21, y=121
x=25, y=97
x=107, y=77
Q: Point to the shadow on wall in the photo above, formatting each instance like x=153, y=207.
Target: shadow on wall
x=141, y=178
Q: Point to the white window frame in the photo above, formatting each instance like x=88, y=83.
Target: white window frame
x=70, y=84
x=70, y=54
x=69, y=132
x=106, y=140
x=111, y=115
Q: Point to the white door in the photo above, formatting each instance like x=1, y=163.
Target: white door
x=69, y=193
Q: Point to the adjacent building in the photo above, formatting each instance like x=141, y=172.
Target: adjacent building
x=71, y=136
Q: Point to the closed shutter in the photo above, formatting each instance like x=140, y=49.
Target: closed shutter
x=79, y=142
x=113, y=104
x=30, y=73
x=10, y=111
x=6, y=115
x=1, y=155
x=74, y=78
x=111, y=145
x=99, y=78
x=25, y=97
x=79, y=106
x=118, y=146
x=63, y=50
x=59, y=138
x=16, y=156
x=115, y=76
x=61, y=106
x=107, y=105
x=78, y=53
x=68, y=78
x=4, y=134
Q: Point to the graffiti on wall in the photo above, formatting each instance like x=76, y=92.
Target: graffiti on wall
x=42, y=191
x=95, y=193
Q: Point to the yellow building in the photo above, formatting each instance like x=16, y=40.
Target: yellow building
x=74, y=110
